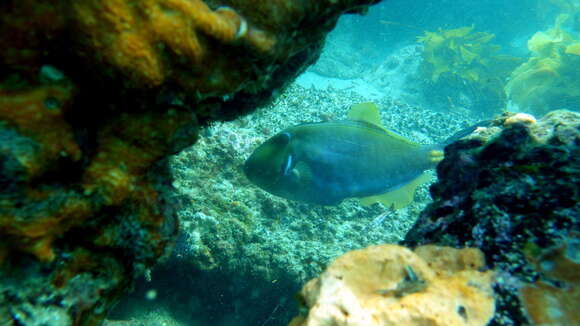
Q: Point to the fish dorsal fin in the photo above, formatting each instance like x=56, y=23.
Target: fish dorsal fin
x=399, y=197
x=368, y=112
x=400, y=138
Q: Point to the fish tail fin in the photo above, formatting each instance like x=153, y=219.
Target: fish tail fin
x=435, y=155
x=466, y=131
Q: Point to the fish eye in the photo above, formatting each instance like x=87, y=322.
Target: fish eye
x=282, y=139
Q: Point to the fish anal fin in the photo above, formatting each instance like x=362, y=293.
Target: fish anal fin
x=399, y=197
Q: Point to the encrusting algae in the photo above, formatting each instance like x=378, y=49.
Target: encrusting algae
x=134, y=31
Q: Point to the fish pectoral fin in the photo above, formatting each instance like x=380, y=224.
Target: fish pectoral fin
x=399, y=197
x=302, y=173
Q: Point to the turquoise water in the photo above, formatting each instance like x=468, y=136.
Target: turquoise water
x=243, y=253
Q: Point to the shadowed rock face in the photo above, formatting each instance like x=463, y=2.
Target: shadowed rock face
x=93, y=96
x=515, y=196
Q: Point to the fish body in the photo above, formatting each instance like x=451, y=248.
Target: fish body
x=326, y=162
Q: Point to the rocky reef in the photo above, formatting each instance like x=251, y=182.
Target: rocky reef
x=93, y=96
x=512, y=191
x=258, y=249
x=508, y=194
x=225, y=217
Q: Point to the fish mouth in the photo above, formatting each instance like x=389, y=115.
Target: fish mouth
x=252, y=172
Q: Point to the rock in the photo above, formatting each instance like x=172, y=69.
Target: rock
x=512, y=191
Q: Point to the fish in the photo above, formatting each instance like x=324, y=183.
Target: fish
x=327, y=162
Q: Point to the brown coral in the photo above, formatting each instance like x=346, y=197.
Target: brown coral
x=391, y=285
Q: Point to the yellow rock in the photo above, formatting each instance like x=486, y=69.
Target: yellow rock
x=392, y=285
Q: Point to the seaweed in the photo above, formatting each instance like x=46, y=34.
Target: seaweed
x=464, y=59
x=549, y=79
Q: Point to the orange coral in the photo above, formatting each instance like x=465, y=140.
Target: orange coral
x=449, y=260
x=127, y=147
x=391, y=285
x=196, y=45
x=37, y=116
x=140, y=38
x=39, y=113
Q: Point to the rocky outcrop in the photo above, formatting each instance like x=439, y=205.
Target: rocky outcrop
x=512, y=191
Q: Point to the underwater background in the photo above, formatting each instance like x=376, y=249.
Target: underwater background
x=432, y=67
x=125, y=126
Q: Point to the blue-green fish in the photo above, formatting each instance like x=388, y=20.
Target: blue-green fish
x=327, y=162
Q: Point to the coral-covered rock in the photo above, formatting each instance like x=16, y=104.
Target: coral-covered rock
x=76, y=220
x=392, y=285
x=510, y=194
x=225, y=50
x=94, y=95
x=270, y=246
x=140, y=39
